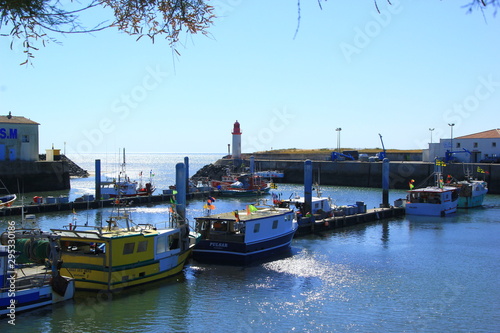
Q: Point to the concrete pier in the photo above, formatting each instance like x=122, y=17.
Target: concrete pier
x=83, y=205
x=337, y=222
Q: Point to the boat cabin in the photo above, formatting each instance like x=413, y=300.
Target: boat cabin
x=320, y=207
x=245, y=226
x=432, y=196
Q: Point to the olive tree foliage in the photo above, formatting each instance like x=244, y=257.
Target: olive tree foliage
x=36, y=22
x=471, y=6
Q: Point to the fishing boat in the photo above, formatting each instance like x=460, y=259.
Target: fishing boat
x=122, y=187
x=437, y=200
x=432, y=200
x=113, y=257
x=7, y=200
x=243, y=236
x=471, y=192
x=29, y=272
x=243, y=185
x=321, y=207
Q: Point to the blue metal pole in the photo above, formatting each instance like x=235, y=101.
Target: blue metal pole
x=180, y=185
x=186, y=163
x=98, y=180
x=252, y=164
x=385, y=183
x=308, y=186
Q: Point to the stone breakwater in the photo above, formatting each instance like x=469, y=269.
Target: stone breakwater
x=74, y=169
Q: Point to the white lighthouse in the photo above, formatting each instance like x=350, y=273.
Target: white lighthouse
x=236, y=140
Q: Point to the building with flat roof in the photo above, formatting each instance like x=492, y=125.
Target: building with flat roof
x=18, y=138
x=470, y=148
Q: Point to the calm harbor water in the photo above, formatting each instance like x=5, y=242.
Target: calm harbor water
x=409, y=274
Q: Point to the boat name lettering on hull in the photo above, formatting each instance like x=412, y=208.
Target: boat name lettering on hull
x=216, y=244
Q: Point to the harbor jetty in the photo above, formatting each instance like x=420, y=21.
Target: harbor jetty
x=336, y=222
x=88, y=202
x=356, y=173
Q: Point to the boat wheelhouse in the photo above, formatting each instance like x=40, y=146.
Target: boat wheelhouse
x=321, y=207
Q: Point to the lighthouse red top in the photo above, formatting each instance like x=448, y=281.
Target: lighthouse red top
x=236, y=128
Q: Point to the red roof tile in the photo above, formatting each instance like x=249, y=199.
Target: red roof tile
x=491, y=134
x=16, y=120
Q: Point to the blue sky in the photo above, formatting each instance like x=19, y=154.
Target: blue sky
x=413, y=67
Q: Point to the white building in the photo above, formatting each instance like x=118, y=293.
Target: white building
x=468, y=148
x=18, y=138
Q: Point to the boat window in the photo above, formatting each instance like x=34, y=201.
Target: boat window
x=475, y=145
x=173, y=241
x=161, y=245
x=128, y=248
x=458, y=144
x=256, y=227
x=493, y=144
x=143, y=246
x=275, y=224
x=90, y=248
x=220, y=225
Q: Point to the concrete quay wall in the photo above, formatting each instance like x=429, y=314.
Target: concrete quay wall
x=24, y=176
x=369, y=174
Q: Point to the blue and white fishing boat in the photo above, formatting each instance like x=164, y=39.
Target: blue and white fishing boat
x=242, y=236
x=437, y=200
x=26, y=282
x=7, y=200
x=432, y=201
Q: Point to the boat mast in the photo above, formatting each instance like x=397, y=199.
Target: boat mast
x=437, y=172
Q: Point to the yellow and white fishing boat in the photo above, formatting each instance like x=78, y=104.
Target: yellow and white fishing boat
x=111, y=258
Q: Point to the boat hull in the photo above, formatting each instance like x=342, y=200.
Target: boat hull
x=426, y=209
x=99, y=277
x=471, y=202
x=238, y=253
x=243, y=193
x=33, y=298
x=7, y=200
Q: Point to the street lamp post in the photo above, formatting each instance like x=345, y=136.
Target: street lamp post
x=338, y=129
x=451, y=140
x=431, y=130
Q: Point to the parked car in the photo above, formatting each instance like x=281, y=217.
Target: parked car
x=492, y=159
